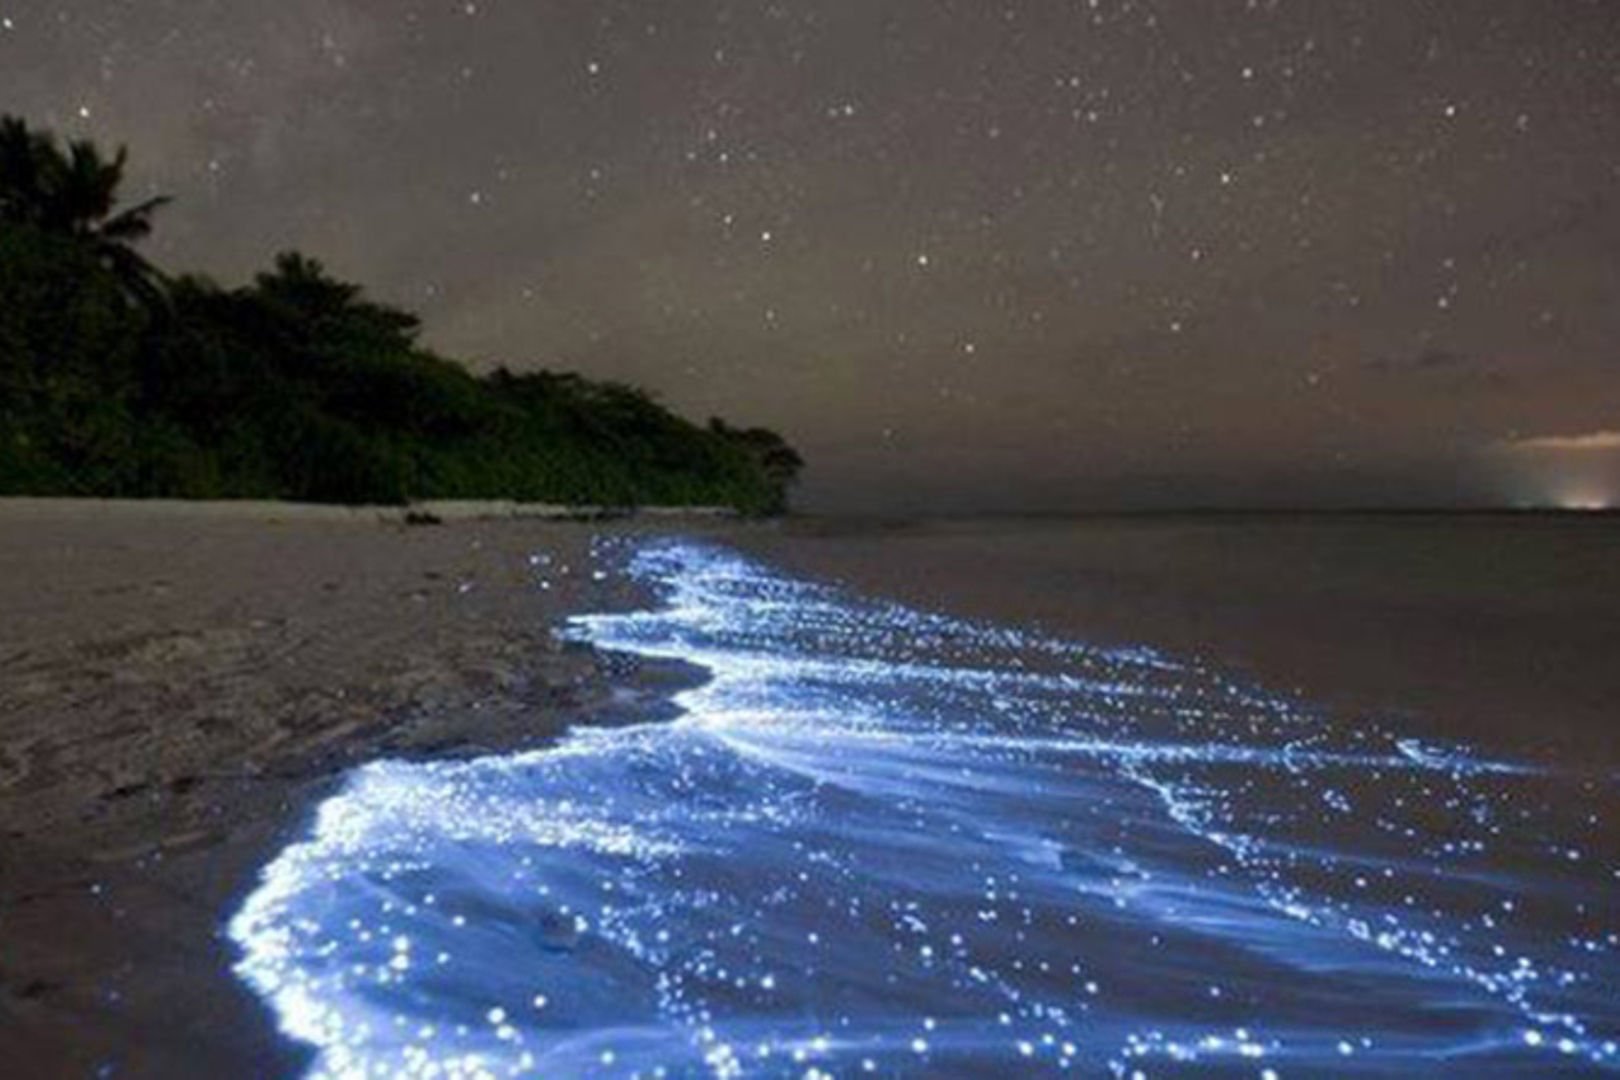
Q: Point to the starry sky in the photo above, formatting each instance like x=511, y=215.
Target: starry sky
x=1044, y=255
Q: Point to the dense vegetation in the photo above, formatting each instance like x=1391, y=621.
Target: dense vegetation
x=117, y=380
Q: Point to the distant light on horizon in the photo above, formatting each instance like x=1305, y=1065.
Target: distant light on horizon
x=1575, y=494
x=1590, y=440
x=1579, y=471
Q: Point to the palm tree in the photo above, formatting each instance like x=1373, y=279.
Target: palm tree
x=318, y=303
x=75, y=193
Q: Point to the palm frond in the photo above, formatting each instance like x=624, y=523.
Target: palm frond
x=134, y=223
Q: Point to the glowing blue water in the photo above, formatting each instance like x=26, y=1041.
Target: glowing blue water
x=886, y=841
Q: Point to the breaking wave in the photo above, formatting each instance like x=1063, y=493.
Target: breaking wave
x=884, y=841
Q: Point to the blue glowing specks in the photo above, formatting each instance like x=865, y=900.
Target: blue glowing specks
x=881, y=841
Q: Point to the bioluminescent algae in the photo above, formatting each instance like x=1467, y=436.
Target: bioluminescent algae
x=883, y=841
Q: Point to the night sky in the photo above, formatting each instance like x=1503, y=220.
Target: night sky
x=965, y=255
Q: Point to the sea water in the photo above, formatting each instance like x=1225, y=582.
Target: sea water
x=884, y=841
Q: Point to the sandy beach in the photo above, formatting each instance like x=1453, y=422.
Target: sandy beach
x=803, y=541
x=179, y=685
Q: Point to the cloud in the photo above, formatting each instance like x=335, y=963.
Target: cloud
x=1591, y=440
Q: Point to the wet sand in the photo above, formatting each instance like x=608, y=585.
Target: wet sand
x=177, y=689
x=178, y=686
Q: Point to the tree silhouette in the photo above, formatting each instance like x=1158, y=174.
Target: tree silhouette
x=780, y=463
x=74, y=192
x=329, y=312
x=118, y=381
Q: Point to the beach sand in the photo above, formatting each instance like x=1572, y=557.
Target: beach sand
x=179, y=685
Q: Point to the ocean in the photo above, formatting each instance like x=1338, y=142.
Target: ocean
x=885, y=838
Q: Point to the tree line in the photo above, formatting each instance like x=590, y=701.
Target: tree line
x=119, y=380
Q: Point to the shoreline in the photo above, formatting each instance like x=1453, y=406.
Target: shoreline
x=274, y=511
x=836, y=762
x=181, y=691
